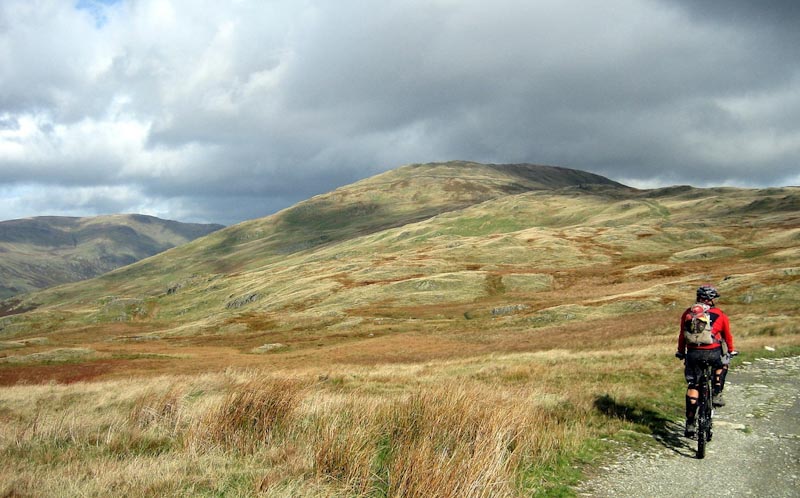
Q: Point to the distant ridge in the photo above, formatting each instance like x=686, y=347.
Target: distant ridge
x=44, y=251
x=528, y=176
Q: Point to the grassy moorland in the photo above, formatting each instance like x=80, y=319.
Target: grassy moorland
x=439, y=330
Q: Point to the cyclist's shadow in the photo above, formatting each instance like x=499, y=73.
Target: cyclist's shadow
x=665, y=431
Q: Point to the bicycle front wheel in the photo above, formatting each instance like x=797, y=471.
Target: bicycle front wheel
x=704, y=420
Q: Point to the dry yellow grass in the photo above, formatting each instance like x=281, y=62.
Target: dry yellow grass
x=489, y=425
x=444, y=438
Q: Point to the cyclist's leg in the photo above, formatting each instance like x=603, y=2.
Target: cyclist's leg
x=691, y=371
x=692, y=395
x=719, y=383
x=692, y=375
x=725, y=359
x=719, y=379
x=722, y=375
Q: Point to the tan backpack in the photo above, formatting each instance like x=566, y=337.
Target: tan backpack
x=697, y=330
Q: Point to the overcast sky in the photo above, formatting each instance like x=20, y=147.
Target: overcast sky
x=223, y=111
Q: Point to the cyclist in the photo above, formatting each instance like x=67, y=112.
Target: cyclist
x=695, y=355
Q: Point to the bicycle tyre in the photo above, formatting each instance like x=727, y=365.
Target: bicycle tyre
x=704, y=415
x=701, y=439
x=709, y=407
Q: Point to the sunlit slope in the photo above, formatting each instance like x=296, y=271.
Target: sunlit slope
x=424, y=248
x=396, y=198
x=528, y=246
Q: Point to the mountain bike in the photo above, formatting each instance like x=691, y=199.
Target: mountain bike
x=705, y=406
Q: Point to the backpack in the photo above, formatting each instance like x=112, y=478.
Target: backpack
x=697, y=330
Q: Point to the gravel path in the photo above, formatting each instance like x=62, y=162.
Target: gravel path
x=755, y=450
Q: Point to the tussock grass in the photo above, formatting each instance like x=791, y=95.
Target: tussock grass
x=249, y=415
x=279, y=434
x=162, y=409
x=498, y=425
x=466, y=441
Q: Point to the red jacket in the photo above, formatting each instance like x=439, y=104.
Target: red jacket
x=720, y=329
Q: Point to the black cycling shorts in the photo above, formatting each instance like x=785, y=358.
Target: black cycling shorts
x=694, y=363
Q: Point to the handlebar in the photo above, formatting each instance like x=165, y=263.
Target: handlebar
x=681, y=356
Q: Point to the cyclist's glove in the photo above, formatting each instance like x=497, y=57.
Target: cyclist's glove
x=679, y=355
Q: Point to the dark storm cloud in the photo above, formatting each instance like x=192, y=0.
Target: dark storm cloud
x=771, y=14
x=222, y=112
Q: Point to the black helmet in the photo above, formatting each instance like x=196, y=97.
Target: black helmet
x=707, y=293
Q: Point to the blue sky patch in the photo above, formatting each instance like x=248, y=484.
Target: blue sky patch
x=97, y=8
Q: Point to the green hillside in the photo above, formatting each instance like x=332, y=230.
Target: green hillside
x=448, y=242
x=41, y=252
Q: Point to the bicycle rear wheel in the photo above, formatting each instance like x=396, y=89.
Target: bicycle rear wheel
x=704, y=418
x=701, y=440
x=709, y=409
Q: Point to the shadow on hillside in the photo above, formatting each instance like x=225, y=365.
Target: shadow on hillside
x=663, y=430
x=12, y=307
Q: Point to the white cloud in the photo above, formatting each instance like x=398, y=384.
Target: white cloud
x=47, y=151
x=190, y=106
